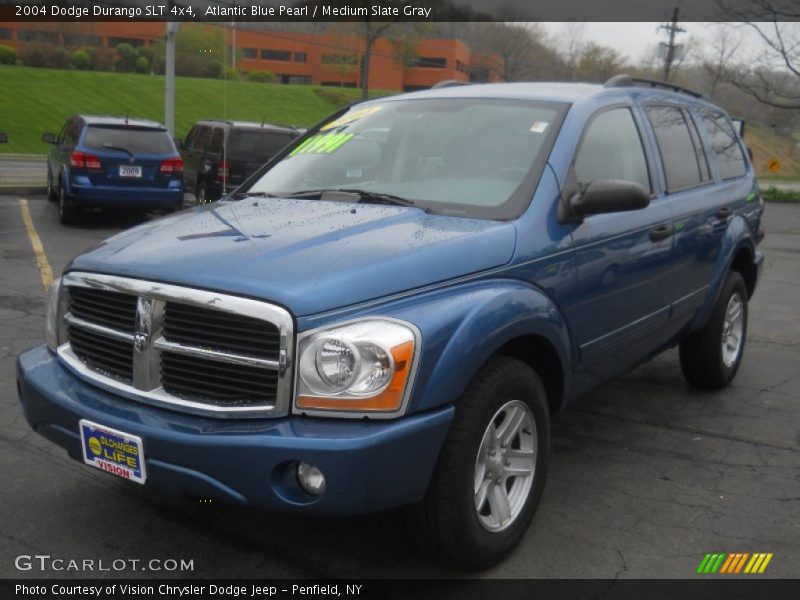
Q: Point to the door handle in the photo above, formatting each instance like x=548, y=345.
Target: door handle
x=661, y=232
x=724, y=213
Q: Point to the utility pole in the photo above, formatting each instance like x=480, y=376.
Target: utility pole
x=673, y=30
x=169, y=79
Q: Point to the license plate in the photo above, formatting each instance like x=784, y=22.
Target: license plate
x=113, y=451
x=130, y=171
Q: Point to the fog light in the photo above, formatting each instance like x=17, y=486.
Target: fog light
x=311, y=479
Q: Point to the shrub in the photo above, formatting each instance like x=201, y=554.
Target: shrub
x=215, y=68
x=8, y=55
x=127, y=56
x=80, y=59
x=45, y=55
x=261, y=76
x=142, y=65
x=233, y=74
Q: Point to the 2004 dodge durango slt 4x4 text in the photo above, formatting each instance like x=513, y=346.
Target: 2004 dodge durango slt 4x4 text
x=388, y=312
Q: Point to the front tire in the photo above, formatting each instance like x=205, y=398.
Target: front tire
x=492, y=468
x=202, y=193
x=710, y=357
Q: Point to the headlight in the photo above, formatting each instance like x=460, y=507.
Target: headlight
x=360, y=367
x=51, y=324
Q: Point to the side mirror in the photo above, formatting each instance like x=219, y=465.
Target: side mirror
x=3, y=138
x=49, y=138
x=604, y=196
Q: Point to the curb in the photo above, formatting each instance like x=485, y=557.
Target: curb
x=10, y=190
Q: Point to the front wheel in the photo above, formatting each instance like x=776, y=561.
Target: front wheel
x=710, y=357
x=492, y=468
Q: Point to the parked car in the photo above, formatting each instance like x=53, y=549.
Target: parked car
x=113, y=163
x=389, y=312
x=220, y=155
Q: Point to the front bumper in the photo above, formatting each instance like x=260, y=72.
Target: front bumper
x=368, y=465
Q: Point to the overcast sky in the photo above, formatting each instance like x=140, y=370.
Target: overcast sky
x=635, y=40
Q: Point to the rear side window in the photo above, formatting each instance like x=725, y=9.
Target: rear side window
x=138, y=140
x=612, y=149
x=725, y=146
x=254, y=145
x=215, y=145
x=679, y=153
x=201, y=138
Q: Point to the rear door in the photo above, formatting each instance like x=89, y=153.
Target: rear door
x=696, y=203
x=130, y=156
x=65, y=144
x=623, y=259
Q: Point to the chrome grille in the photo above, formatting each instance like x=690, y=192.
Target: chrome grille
x=178, y=347
x=225, y=384
x=220, y=331
x=104, y=354
x=111, y=309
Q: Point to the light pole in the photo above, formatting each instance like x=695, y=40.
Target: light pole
x=169, y=79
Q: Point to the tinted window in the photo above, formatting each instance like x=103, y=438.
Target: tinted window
x=215, y=145
x=201, y=138
x=612, y=149
x=252, y=145
x=681, y=163
x=134, y=139
x=725, y=146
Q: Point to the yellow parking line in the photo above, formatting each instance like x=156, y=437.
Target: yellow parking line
x=41, y=258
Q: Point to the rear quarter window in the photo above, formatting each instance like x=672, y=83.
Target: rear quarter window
x=726, y=150
x=133, y=139
x=253, y=145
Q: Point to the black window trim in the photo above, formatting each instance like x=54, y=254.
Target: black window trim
x=647, y=159
x=708, y=112
x=685, y=111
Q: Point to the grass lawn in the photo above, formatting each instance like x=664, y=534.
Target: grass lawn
x=33, y=101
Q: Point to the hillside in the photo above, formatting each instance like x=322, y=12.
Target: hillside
x=767, y=146
x=34, y=101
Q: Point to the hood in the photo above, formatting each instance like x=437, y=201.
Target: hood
x=307, y=255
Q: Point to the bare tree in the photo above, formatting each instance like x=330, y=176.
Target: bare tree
x=573, y=44
x=776, y=80
x=599, y=63
x=718, y=58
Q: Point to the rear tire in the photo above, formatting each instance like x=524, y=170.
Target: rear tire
x=52, y=193
x=68, y=215
x=710, y=357
x=491, y=470
x=202, y=193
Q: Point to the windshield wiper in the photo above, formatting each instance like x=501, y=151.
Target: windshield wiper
x=242, y=195
x=119, y=149
x=365, y=196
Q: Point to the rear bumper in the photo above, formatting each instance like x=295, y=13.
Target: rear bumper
x=121, y=197
x=368, y=465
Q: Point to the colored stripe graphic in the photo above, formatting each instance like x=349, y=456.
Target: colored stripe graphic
x=734, y=563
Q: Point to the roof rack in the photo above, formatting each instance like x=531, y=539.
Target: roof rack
x=448, y=83
x=628, y=81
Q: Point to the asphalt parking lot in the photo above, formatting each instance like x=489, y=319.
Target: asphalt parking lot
x=647, y=474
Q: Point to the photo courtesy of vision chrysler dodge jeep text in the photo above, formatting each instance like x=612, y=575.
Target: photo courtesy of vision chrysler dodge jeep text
x=389, y=311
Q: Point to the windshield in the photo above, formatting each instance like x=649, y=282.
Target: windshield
x=253, y=145
x=133, y=139
x=469, y=157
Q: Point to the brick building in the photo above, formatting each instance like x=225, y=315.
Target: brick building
x=318, y=59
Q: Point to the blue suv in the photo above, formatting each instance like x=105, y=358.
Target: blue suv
x=113, y=163
x=390, y=310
